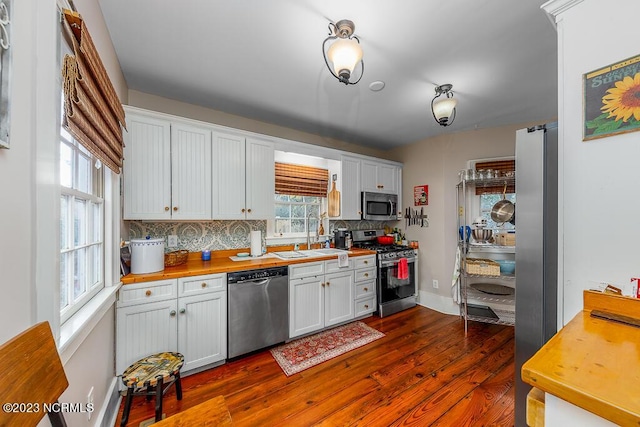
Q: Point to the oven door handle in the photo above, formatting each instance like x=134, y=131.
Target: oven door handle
x=395, y=261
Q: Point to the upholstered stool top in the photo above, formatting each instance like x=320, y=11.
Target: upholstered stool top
x=145, y=372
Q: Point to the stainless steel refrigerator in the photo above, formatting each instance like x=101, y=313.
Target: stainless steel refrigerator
x=536, y=248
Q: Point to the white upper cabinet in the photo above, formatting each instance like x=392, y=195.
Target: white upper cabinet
x=190, y=172
x=379, y=177
x=243, y=177
x=147, y=168
x=261, y=179
x=350, y=195
x=167, y=173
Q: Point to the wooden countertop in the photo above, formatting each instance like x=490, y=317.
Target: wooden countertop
x=594, y=363
x=221, y=263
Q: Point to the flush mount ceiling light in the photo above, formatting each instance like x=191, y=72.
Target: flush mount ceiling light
x=444, y=110
x=344, y=53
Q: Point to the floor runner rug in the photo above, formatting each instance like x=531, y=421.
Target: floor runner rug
x=306, y=352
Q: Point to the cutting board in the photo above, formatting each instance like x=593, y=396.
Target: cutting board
x=334, y=201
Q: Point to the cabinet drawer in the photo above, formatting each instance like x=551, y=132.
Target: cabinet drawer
x=331, y=266
x=364, y=274
x=364, y=261
x=365, y=289
x=306, y=269
x=202, y=284
x=365, y=306
x=142, y=293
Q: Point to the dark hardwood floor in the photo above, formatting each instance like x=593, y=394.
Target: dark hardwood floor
x=424, y=372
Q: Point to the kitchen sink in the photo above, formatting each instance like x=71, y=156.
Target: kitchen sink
x=310, y=253
x=330, y=251
x=290, y=254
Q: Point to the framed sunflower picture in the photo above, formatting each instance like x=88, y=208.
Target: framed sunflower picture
x=612, y=99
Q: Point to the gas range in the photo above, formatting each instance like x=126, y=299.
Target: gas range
x=367, y=239
x=389, y=251
x=396, y=274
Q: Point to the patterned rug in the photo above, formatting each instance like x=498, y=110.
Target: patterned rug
x=306, y=352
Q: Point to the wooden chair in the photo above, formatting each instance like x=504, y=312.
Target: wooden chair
x=32, y=376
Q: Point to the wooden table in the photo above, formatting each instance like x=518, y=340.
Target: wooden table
x=594, y=363
x=212, y=412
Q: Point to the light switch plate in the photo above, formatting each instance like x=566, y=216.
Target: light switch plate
x=172, y=241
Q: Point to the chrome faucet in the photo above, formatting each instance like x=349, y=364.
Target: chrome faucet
x=309, y=215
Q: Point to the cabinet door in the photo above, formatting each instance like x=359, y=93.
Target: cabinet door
x=261, y=185
x=350, y=197
x=338, y=298
x=228, y=183
x=147, y=168
x=190, y=172
x=202, y=329
x=306, y=305
x=143, y=330
x=387, y=178
x=369, y=173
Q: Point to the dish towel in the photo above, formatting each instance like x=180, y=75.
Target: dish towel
x=403, y=269
x=455, y=289
x=343, y=260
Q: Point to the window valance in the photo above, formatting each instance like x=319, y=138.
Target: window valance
x=93, y=113
x=301, y=180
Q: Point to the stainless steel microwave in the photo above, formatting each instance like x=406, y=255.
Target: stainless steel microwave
x=379, y=206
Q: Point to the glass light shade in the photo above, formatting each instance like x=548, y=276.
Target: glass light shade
x=344, y=54
x=442, y=109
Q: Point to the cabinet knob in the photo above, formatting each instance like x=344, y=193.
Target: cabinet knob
x=249, y=210
x=328, y=283
x=175, y=208
x=366, y=289
x=204, y=284
x=172, y=313
x=166, y=208
x=366, y=306
x=366, y=262
x=359, y=212
x=243, y=210
x=322, y=284
x=183, y=310
x=148, y=293
x=366, y=274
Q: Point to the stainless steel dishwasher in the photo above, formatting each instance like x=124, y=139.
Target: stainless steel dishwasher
x=258, y=312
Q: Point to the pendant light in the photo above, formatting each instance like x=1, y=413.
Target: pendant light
x=344, y=54
x=444, y=110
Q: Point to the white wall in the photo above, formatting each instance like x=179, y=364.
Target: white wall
x=600, y=195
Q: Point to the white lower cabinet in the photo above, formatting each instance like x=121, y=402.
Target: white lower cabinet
x=338, y=298
x=188, y=315
x=306, y=305
x=365, y=285
x=321, y=294
x=143, y=330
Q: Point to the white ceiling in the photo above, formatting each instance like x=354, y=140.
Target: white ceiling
x=262, y=59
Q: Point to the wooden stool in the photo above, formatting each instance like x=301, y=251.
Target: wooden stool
x=148, y=376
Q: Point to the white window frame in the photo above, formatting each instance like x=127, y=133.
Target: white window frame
x=94, y=268
x=476, y=206
x=271, y=224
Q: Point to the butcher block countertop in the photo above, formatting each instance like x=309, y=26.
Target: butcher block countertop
x=222, y=263
x=594, y=363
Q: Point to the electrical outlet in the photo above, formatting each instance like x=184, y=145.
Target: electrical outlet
x=172, y=241
x=89, y=404
x=435, y=284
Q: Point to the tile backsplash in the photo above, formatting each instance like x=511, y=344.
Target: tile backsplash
x=219, y=235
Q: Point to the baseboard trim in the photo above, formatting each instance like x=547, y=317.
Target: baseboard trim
x=109, y=411
x=438, y=303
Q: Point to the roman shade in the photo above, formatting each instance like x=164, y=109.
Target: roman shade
x=502, y=166
x=301, y=180
x=93, y=113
